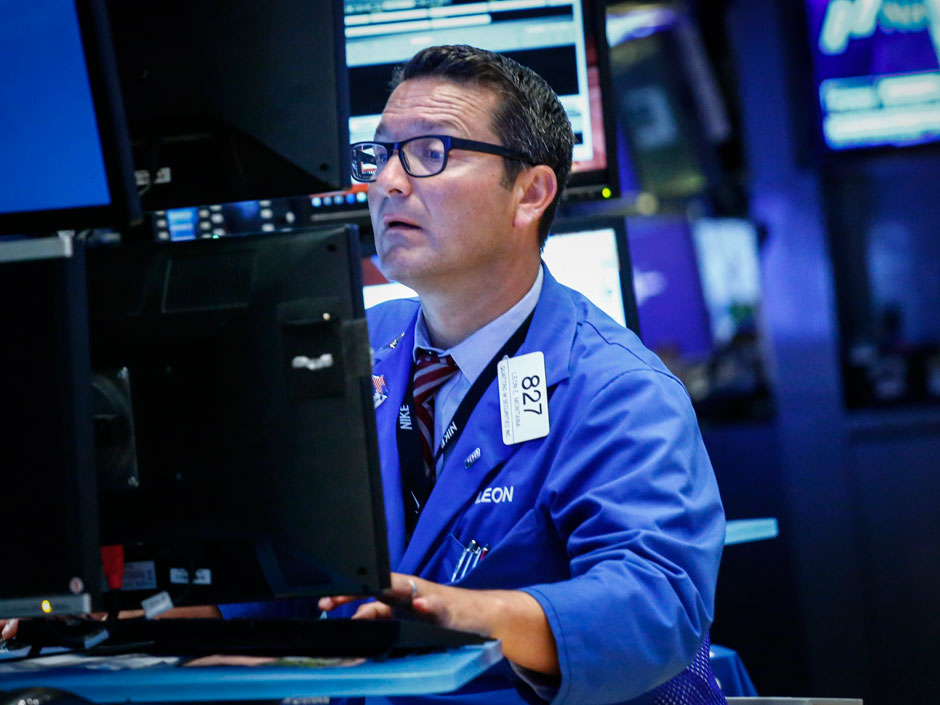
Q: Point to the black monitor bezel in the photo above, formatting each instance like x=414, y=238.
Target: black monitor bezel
x=588, y=185
x=124, y=208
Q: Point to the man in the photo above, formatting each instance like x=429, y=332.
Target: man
x=566, y=504
x=589, y=545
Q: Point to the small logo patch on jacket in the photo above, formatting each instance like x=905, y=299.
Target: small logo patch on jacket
x=404, y=418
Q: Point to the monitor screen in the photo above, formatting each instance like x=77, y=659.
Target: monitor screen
x=229, y=100
x=589, y=255
x=235, y=433
x=64, y=157
x=726, y=251
x=877, y=71
x=562, y=40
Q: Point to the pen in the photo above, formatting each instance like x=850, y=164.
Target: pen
x=474, y=556
x=480, y=555
x=467, y=551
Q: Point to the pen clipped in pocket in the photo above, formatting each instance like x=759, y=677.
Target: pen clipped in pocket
x=468, y=557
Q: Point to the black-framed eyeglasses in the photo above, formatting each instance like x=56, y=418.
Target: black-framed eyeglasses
x=425, y=155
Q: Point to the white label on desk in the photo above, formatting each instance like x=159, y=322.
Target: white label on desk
x=139, y=575
x=157, y=604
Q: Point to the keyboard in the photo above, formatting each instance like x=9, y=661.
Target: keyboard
x=325, y=638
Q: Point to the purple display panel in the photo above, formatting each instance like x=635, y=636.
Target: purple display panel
x=673, y=315
x=877, y=71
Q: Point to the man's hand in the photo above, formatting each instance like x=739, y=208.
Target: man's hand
x=514, y=617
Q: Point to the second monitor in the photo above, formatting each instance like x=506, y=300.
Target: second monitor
x=235, y=429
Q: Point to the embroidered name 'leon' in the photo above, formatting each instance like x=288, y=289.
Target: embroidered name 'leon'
x=495, y=495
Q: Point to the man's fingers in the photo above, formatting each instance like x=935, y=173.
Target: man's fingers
x=373, y=610
x=328, y=603
x=9, y=629
x=434, y=609
x=403, y=590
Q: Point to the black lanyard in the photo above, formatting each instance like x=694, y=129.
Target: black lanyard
x=410, y=456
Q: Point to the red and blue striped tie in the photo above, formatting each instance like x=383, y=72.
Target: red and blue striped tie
x=431, y=372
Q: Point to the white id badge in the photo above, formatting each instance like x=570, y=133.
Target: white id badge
x=523, y=399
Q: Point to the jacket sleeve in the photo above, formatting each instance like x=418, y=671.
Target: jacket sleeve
x=634, y=497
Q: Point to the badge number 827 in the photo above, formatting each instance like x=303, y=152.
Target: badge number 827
x=523, y=400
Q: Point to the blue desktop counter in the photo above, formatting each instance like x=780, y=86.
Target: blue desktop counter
x=159, y=679
x=144, y=678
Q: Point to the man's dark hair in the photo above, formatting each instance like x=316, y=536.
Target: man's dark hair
x=530, y=119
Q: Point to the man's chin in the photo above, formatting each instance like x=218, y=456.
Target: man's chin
x=402, y=267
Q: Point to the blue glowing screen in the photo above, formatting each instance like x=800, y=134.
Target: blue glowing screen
x=877, y=66
x=50, y=149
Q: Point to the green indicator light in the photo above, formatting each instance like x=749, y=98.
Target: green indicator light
x=606, y=192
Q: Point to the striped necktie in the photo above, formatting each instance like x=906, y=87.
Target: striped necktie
x=431, y=372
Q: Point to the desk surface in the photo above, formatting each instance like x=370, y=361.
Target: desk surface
x=149, y=679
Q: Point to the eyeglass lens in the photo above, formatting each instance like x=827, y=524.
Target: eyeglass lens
x=425, y=156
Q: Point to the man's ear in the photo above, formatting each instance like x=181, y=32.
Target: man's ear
x=535, y=188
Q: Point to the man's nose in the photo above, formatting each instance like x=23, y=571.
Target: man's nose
x=393, y=177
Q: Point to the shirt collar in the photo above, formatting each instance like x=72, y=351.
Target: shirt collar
x=474, y=352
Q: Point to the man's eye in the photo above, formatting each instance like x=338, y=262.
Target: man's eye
x=381, y=158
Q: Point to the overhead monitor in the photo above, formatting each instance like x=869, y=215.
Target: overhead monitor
x=562, y=40
x=877, y=71
x=669, y=103
x=64, y=153
x=230, y=100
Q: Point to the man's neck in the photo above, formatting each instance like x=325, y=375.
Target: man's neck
x=454, y=312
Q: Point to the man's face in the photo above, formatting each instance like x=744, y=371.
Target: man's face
x=436, y=231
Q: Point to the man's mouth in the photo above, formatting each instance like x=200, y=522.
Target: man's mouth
x=396, y=223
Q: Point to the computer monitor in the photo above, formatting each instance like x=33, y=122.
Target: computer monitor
x=230, y=100
x=49, y=548
x=592, y=256
x=562, y=40
x=669, y=102
x=588, y=254
x=64, y=153
x=877, y=72
x=235, y=432
x=699, y=295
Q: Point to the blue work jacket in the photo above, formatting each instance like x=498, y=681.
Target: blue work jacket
x=612, y=521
